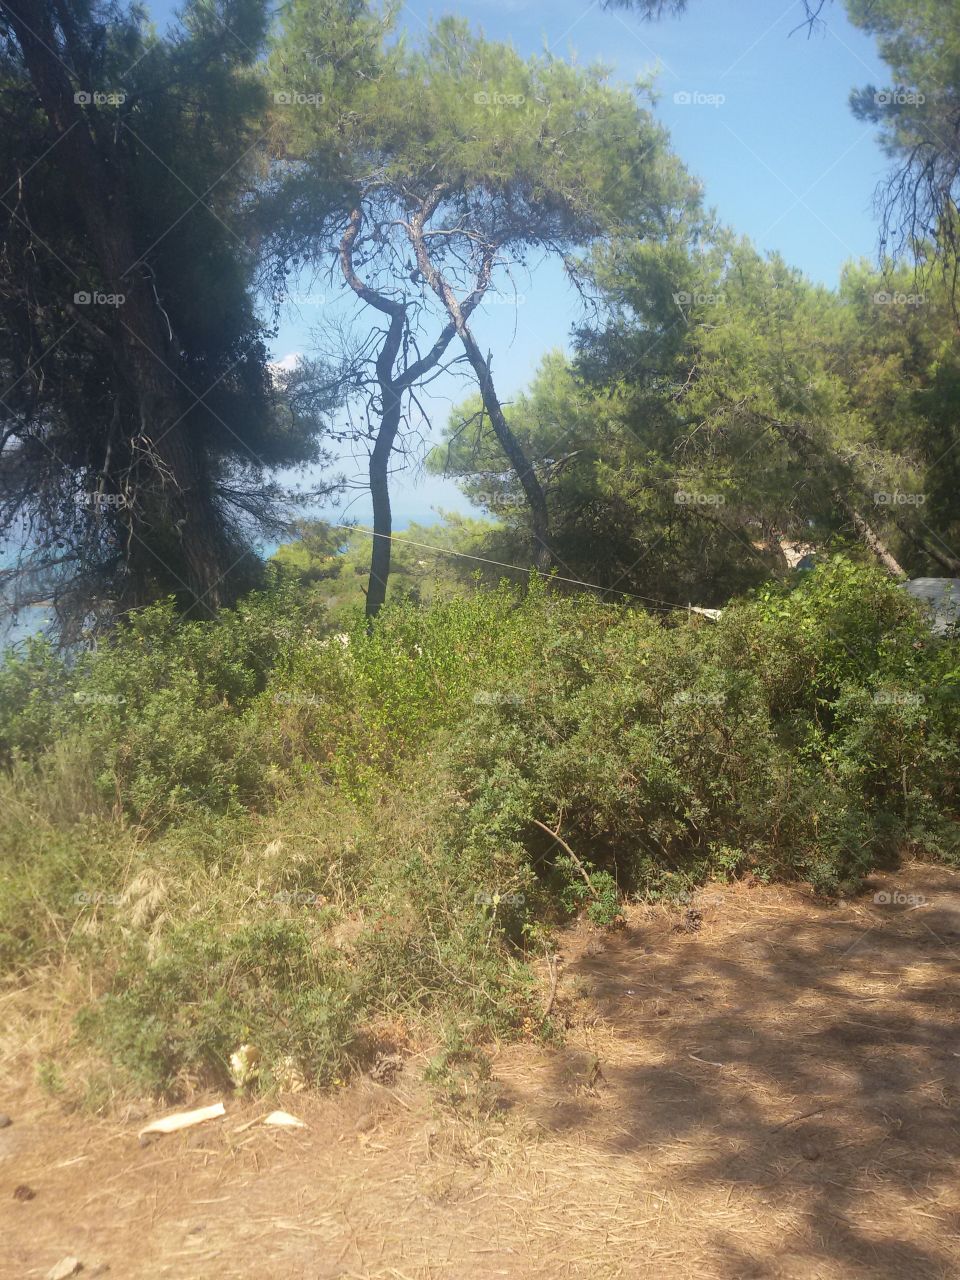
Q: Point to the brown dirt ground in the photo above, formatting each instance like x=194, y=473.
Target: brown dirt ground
x=773, y=1094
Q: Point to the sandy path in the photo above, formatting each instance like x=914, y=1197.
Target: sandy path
x=771, y=1091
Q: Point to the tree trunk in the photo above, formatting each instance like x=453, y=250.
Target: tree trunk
x=459, y=315
x=870, y=538
x=943, y=558
x=511, y=446
x=380, y=495
x=799, y=439
x=392, y=387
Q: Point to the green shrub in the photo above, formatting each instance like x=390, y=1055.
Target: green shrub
x=698, y=750
x=181, y=1014
x=35, y=690
x=290, y=833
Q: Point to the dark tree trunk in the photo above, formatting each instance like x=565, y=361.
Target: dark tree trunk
x=943, y=557
x=380, y=496
x=523, y=469
x=180, y=528
x=392, y=387
x=459, y=314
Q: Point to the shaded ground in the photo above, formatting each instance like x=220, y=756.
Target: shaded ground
x=765, y=1087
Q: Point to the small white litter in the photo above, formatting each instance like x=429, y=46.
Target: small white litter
x=712, y=614
x=65, y=1267
x=284, y=1120
x=184, y=1119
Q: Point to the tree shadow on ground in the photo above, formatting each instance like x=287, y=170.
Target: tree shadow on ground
x=798, y=1059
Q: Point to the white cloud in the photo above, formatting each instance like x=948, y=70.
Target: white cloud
x=286, y=364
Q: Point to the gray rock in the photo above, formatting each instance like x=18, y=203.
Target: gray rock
x=942, y=598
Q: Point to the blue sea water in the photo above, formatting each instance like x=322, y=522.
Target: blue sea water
x=28, y=622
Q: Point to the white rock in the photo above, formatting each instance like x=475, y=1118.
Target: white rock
x=65, y=1268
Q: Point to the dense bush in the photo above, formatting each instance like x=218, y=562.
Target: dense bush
x=160, y=708
x=672, y=751
x=259, y=830
x=180, y=716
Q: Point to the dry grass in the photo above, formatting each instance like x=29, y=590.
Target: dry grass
x=775, y=1094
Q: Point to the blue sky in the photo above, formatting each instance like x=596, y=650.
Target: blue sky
x=780, y=155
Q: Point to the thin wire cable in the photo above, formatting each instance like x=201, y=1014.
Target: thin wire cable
x=502, y=564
